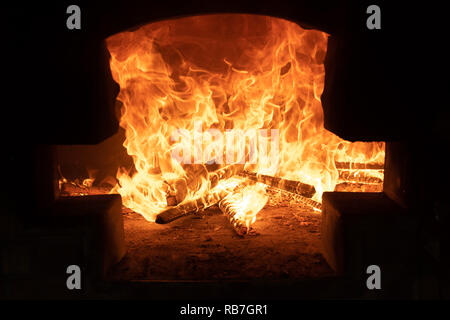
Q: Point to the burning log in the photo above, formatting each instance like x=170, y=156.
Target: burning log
x=358, y=187
x=296, y=187
x=309, y=202
x=193, y=206
x=178, y=188
x=239, y=227
x=196, y=174
x=68, y=188
x=224, y=173
x=359, y=166
x=358, y=178
x=188, y=208
x=289, y=196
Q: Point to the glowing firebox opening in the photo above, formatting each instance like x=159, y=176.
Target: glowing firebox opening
x=227, y=72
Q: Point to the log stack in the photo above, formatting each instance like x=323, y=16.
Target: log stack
x=299, y=191
x=196, y=176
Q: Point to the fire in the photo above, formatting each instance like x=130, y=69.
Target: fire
x=184, y=77
x=247, y=203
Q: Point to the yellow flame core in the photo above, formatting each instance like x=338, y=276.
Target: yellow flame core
x=228, y=71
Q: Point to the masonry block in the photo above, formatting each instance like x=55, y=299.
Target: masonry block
x=361, y=229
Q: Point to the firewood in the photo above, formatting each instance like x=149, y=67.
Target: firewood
x=224, y=173
x=196, y=174
x=298, y=198
x=358, y=187
x=239, y=227
x=348, y=176
x=192, y=181
x=359, y=166
x=188, y=208
x=68, y=188
x=296, y=187
x=194, y=206
x=171, y=201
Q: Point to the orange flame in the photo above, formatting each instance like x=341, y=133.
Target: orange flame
x=229, y=71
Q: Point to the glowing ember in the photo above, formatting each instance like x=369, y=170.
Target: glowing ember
x=181, y=78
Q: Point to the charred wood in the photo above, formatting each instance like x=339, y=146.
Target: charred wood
x=296, y=187
x=193, y=206
x=196, y=175
x=359, y=166
x=357, y=177
x=239, y=226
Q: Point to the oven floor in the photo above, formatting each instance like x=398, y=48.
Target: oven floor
x=205, y=247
